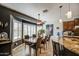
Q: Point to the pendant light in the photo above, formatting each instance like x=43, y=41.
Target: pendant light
x=60, y=20
x=38, y=21
x=69, y=13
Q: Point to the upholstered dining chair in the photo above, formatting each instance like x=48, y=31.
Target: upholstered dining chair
x=38, y=45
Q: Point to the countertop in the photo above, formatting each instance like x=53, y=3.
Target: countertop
x=71, y=43
x=72, y=36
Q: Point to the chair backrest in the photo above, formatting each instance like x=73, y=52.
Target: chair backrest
x=45, y=39
x=39, y=40
x=26, y=36
x=48, y=39
x=34, y=36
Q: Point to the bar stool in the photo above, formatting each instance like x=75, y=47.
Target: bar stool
x=48, y=40
x=56, y=48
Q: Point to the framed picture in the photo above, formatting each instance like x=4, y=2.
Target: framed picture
x=49, y=29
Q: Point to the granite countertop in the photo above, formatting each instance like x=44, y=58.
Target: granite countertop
x=72, y=36
x=71, y=44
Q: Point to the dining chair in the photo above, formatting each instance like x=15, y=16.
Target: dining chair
x=34, y=35
x=38, y=45
x=26, y=36
x=44, y=42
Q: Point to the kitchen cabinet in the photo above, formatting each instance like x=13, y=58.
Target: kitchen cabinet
x=68, y=26
x=5, y=48
x=76, y=20
x=65, y=26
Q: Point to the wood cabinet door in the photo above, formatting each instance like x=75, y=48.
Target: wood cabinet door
x=76, y=21
x=71, y=25
x=68, y=25
x=65, y=26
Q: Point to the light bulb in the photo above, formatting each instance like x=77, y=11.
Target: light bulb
x=60, y=20
x=69, y=14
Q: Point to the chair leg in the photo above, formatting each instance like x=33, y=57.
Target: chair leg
x=40, y=50
x=36, y=51
x=44, y=46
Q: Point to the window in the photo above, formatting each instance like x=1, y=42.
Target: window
x=17, y=30
x=34, y=29
x=25, y=29
x=29, y=29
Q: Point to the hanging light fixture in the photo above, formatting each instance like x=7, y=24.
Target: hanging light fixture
x=69, y=13
x=60, y=20
x=38, y=21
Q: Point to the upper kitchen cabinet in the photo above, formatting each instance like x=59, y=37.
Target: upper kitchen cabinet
x=65, y=26
x=71, y=25
x=76, y=21
x=76, y=30
x=68, y=25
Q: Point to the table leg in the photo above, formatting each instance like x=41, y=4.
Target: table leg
x=30, y=50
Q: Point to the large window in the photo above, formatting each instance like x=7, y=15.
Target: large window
x=21, y=28
x=29, y=29
x=34, y=28
x=17, y=30
x=25, y=29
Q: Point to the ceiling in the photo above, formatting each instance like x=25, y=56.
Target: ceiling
x=33, y=9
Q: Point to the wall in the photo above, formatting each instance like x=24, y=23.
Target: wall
x=4, y=17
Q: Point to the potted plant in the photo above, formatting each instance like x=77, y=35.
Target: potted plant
x=41, y=32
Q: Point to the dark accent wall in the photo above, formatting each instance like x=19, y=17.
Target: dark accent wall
x=4, y=17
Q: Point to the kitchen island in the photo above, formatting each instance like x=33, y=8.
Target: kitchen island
x=70, y=46
x=71, y=43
